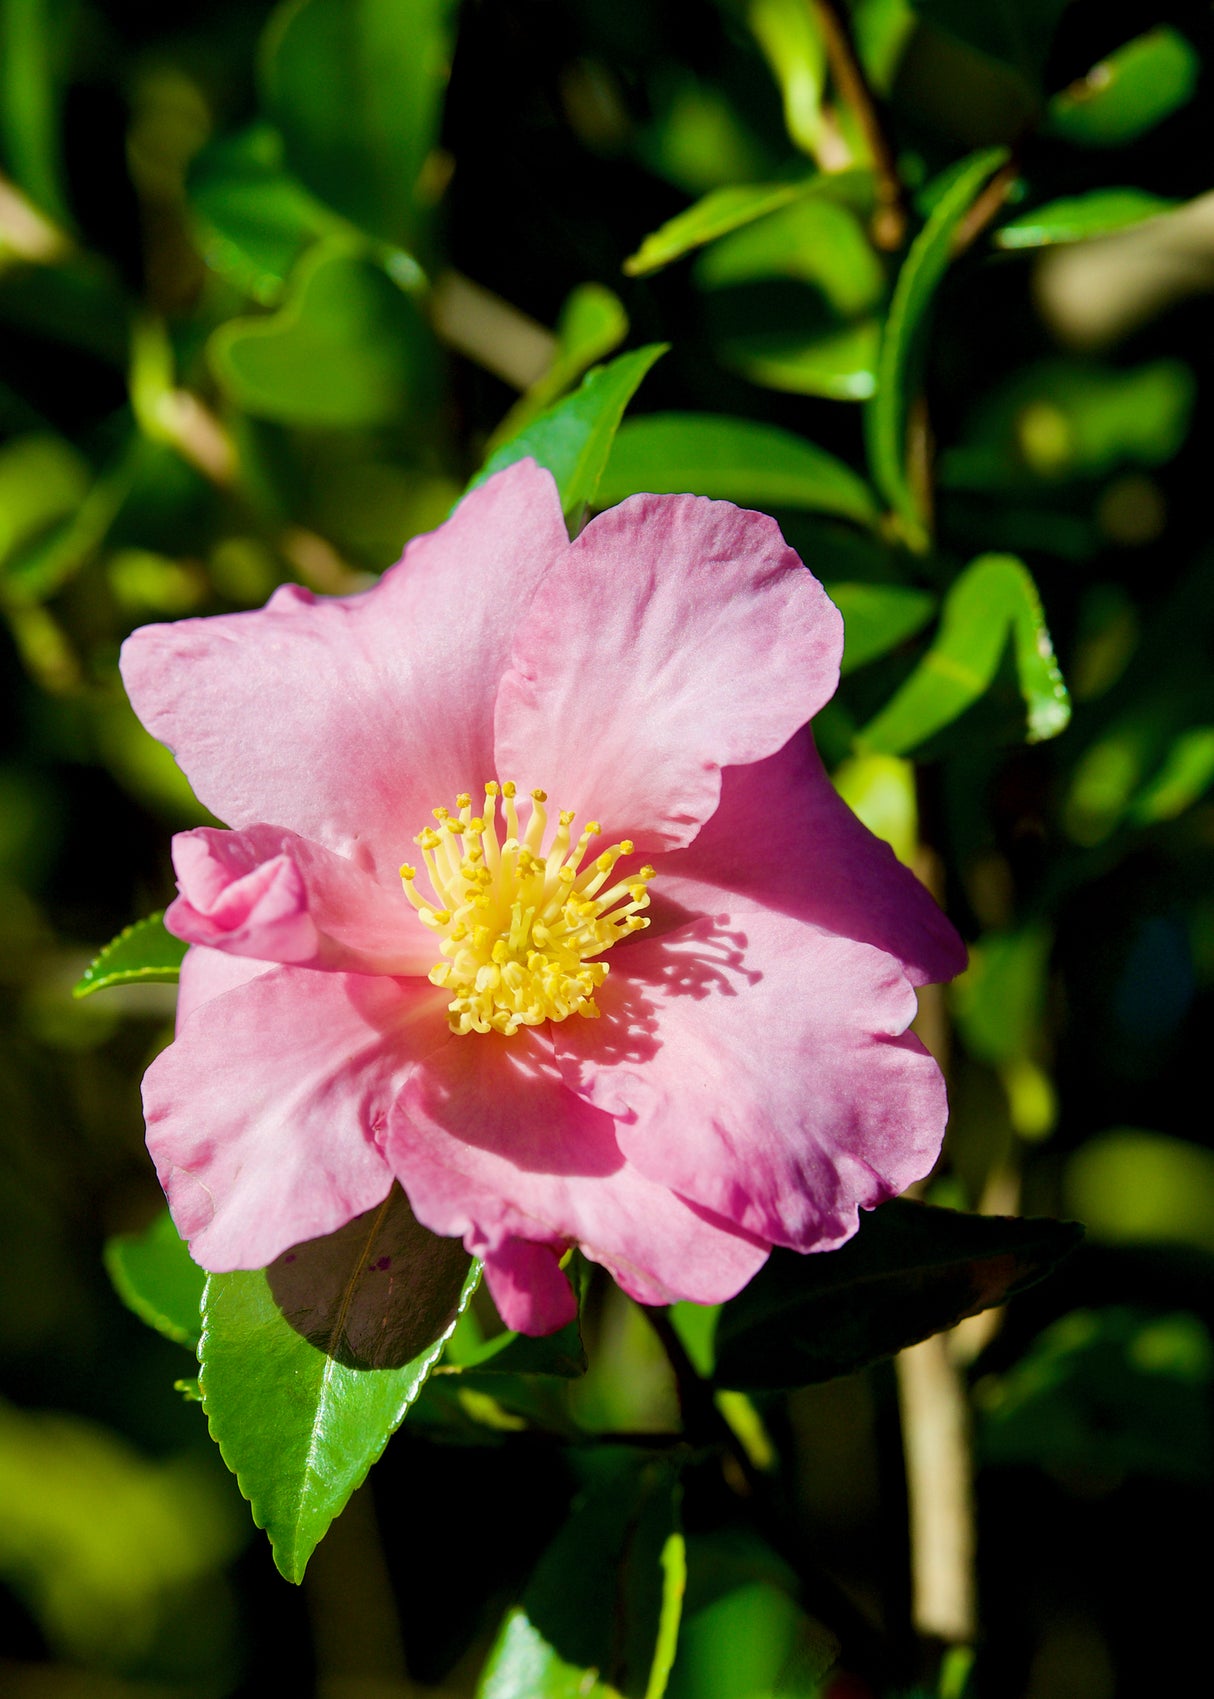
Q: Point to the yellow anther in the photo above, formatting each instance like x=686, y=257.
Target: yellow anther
x=522, y=921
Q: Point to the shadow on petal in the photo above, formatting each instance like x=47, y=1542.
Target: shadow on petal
x=376, y=1293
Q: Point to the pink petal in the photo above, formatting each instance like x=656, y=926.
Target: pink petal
x=677, y=636
x=489, y=1145
x=764, y=1069
x=268, y=893
x=262, y=1115
x=347, y=719
x=206, y=974
x=784, y=839
x=531, y=1293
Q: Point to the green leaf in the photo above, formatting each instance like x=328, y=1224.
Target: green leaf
x=814, y=241
x=740, y=204
x=142, y=952
x=1017, y=33
x=732, y=459
x=356, y=88
x=43, y=482
x=1130, y=92
x=994, y=601
x=909, y=1272
x=600, y=1616
x=560, y=1354
x=839, y=363
x=255, y=220
x=899, y=360
x=788, y=33
x=1080, y=218
x=155, y=1275
x=346, y=349
x=592, y=323
x=1107, y=1392
x=877, y=617
x=573, y=439
x=35, y=37
x=308, y=1367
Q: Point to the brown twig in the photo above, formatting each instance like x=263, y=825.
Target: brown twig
x=890, y=219
x=986, y=207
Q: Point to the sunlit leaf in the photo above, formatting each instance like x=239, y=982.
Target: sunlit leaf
x=815, y=241
x=1129, y=92
x=909, y=1272
x=994, y=602
x=788, y=34
x=877, y=617
x=899, y=360
x=347, y=348
x=838, y=364
x=356, y=89
x=737, y=205
x=255, y=219
x=880, y=791
x=1098, y=213
x=599, y=1618
x=308, y=1368
x=156, y=1277
x=592, y=323
x=142, y=953
x=573, y=439
x=733, y=459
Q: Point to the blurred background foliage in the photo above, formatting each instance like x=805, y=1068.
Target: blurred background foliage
x=274, y=282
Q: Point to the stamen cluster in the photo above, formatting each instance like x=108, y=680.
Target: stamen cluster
x=522, y=923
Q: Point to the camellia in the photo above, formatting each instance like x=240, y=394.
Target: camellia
x=537, y=899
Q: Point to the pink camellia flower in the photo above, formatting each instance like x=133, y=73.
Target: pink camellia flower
x=643, y=982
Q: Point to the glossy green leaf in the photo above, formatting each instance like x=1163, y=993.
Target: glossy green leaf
x=1080, y=219
x=599, y=1618
x=1129, y=92
x=591, y=324
x=791, y=41
x=142, y=952
x=900, y=357
x=347, y=348
x=356, y=88
x=737, y=205
x=573, y=439
x=1104, y=1393
x=738, y=460
x=1016, y=33
x=994, y=602
x=255, y=220
x=156, y=1277
x=877, y=617
x=35, y=36
x=839, y=363
x=909, y=1272
x=308, y=1367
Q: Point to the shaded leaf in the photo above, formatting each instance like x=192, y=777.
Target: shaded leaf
x=814, y=241
x=308, y=1367
x=791, y=41
x=156, y=1277
x=573, y=439
x=599, y=1618
x=992, y=603
x=909, y=1272
x=35, y=36
x=838, y=364
x=142, y=952
x=1081, y=218
x=877, y=617
x=737, y=205
x=356, y=88
x=899, y=360
x=733, y=459
x=561, y=1354
x=255, y=219
x=347, y=348
x=1128, y=92
x=1016, y=33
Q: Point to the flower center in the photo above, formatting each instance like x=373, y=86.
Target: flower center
x=522, y=921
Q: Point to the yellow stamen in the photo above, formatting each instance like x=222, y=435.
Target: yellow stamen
x=524, y=919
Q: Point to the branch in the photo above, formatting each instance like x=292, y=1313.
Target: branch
x=890, y=219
